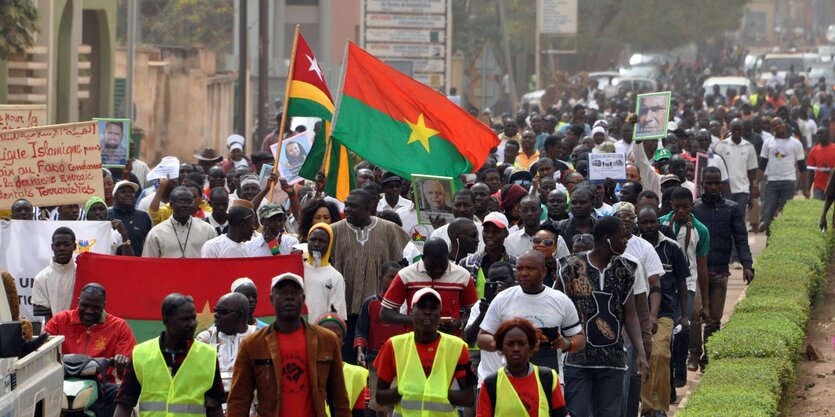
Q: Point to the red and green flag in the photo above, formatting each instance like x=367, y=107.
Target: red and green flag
x=308, y=96
x=136, y=286
x=403, y=126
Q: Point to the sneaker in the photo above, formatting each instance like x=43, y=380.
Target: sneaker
x=692, y=364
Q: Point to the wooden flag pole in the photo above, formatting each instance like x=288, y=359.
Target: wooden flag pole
x=283, y=123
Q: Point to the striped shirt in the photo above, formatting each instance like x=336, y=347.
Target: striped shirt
x=456, y=288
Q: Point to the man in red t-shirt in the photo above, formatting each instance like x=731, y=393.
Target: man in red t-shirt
x=821, y=160
x=452, y=282
x=308, y=367
x=426, y=315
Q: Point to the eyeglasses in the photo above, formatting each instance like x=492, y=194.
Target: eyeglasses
x=546, y=242
x=224, y=311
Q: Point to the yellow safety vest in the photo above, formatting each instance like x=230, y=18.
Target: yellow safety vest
x=356, y=379
x=508, y=402
x=182, y=395
x=422, y=396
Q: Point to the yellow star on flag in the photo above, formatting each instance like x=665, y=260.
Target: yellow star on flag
x=421, y=133
x=205, y=318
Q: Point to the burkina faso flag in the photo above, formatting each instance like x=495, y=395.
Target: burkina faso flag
x=309, y=96
x=403, y=126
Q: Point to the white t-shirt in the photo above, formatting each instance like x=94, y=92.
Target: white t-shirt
x=223, y=247
x=643, y=253
x=550, y=308
x=624, y=148
x=54, y=286
x=257, y=246
x=782, y=155
x=739, y=159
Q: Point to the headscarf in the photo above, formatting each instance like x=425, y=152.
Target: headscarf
x=325, y=261
x=512, y=196
x=250, y=179
x=331, y=317
x=93, y=200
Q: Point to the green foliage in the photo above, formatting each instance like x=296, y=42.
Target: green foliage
x=18, y=24
x=605, y=27
x=185, y=22
x=753, y=358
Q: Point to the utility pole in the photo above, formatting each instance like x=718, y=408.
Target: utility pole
x=263, y=69
x=243, y=74
x=127, y=102
x=506, y=47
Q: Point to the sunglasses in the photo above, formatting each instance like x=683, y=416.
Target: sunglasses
x=585, y=239
x=224, y=311
x=546, y=242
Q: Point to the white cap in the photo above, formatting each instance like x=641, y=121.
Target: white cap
x=497, y=219
x=241, y=281
x=598, y=129
x=285, y=277
x=126, y=183
x=423, y=292
x=234, y=140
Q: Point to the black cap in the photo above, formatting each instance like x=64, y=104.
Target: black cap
x=388, y=177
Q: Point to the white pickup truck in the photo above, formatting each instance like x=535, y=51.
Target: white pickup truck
x=33, y=385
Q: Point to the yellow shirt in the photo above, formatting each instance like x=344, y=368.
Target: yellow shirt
x=164, y=212
x=524, y=161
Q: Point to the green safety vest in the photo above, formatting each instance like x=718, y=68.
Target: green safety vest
x=508, y=402
x=356, y=379
x=182, y=395
x=422, y=396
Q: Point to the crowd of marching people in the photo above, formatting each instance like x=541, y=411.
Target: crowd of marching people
x=545, y=294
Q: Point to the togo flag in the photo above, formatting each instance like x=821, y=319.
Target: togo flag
x=404, y=126
x=136, y=286
x=26, y=249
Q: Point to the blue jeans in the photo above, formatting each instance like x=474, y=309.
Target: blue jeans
x=681, y=341
x=593, y=391
x=776, y=195
x=631, y=385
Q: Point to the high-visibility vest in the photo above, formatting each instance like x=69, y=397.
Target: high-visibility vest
x=356, y=380
x=507, y=401
x=422, y=396
x=182, y=395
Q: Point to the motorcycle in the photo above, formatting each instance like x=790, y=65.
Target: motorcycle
x=84, y=384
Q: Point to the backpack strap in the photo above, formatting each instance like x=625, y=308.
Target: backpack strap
x=546, y=377
x=490, y=384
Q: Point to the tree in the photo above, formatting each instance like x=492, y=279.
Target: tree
x=605, y=28
x=186, y=22
x=18, y=24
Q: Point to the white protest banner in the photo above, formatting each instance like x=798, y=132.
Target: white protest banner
x=26, y=249
x=50, y=165
x=22, y=116
x=607, y=165
x=169, y=168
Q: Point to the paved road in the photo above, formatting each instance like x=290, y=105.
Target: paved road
x=736, y=290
